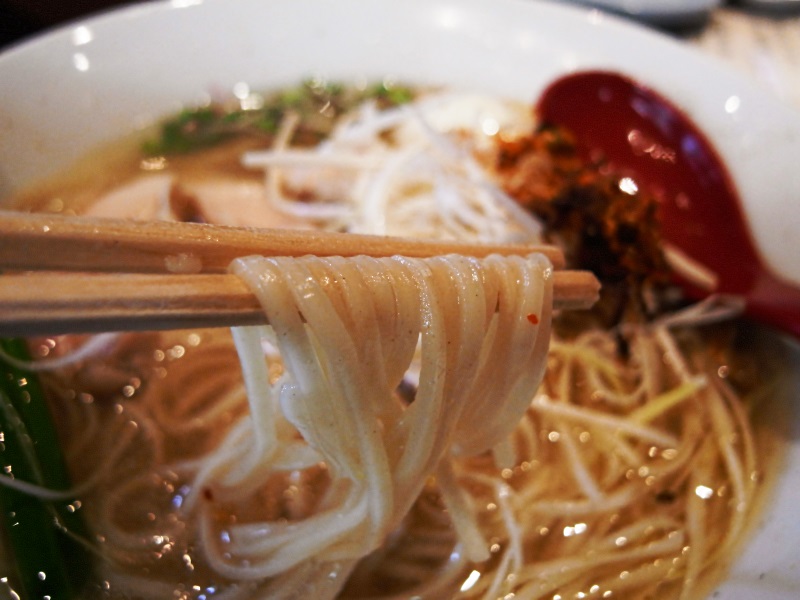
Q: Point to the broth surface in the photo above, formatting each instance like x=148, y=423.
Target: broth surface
x=137, y=418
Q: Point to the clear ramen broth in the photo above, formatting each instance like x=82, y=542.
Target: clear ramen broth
x=636, y=471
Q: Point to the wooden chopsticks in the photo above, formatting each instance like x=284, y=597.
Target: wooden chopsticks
x=56, y=303
x=30, y=241
x=127, y=275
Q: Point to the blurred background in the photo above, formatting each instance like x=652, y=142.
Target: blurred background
x=21, y=18
x=759, y=37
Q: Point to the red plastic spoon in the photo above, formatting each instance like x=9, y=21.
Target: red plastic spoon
x=645, y=137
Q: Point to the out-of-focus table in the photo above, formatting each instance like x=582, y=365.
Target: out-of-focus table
x=765, y=47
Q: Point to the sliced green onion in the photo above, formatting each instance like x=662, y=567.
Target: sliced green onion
x=42, y=535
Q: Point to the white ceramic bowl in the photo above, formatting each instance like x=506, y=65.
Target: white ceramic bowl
x=67, y=91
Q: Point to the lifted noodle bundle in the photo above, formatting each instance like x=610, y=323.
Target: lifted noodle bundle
x=347, y=331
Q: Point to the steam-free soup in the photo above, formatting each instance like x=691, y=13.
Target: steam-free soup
x=633, y=471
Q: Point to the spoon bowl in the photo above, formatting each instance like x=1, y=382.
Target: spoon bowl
x=645, y=137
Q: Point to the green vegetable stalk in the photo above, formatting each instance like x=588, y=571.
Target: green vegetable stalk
x=42, y=535
x=317, y=104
